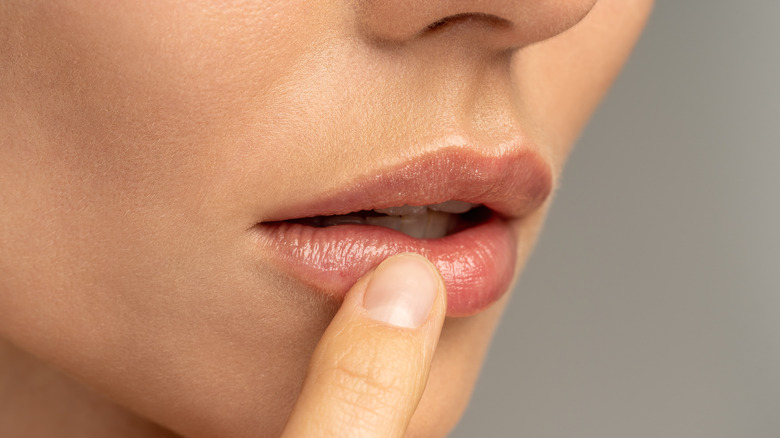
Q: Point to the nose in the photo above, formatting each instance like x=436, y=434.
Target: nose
x=497, y=24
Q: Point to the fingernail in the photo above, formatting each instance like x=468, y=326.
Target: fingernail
x=401, y=291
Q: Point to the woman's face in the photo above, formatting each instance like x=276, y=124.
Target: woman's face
x=155, y=154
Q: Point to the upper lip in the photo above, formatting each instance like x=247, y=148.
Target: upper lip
x=512, y=184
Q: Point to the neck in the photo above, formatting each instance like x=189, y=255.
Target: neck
x=37, y=400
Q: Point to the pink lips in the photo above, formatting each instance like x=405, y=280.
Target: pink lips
x=477, y=263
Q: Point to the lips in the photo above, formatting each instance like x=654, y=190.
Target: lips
x=312, y=240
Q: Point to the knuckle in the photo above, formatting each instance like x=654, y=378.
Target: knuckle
x=371, y=388
x=361, y=371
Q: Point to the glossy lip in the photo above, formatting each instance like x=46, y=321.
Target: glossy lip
x=477, y=264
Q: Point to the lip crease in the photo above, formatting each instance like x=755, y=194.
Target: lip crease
x=477, y=263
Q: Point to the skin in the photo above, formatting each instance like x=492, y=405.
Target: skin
x=141, y=141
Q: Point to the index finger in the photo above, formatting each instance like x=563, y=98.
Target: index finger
x=369, y=370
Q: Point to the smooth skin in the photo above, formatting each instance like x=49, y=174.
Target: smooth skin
x=141, y=142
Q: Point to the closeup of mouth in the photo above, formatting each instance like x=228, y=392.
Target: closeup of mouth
x=461, y=210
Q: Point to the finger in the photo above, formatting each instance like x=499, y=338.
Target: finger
x=370, y=368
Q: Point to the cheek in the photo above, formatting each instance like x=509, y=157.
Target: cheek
x=120, y=124
x=560, y=81
x=143, y=98
x=115, y=254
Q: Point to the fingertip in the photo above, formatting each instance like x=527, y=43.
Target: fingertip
x=402, y=291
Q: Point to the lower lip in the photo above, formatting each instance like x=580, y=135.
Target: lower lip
x=477, y=264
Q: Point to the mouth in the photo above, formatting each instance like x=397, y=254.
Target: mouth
x=432, y=221
x=460, y=209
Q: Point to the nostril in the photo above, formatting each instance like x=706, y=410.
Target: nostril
x=500, y=24
x=489, y=20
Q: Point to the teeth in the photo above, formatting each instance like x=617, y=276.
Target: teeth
x=403, y=210
x=414, y=225
x=392, y=222
x=456, y=207
x=418, y=221
x=437, y=225
x=428, y=225
x=341, y=220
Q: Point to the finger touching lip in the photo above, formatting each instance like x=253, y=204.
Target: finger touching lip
x=332, y=241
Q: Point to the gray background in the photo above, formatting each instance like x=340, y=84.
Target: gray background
x=651, y=307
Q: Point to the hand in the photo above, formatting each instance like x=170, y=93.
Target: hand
x=371, y=366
